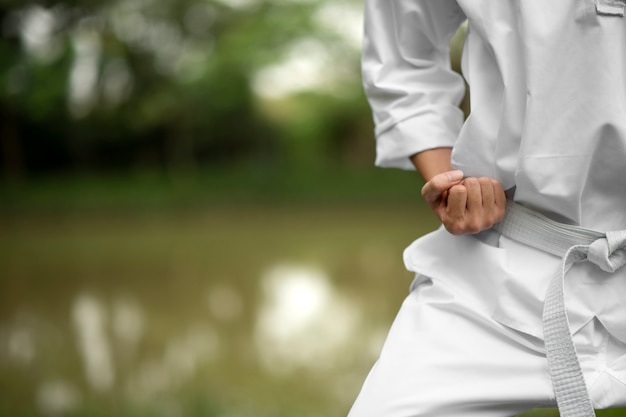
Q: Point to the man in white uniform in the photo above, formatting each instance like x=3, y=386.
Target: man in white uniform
x=547, y=130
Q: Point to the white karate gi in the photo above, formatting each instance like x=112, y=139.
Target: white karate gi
x=548, y=118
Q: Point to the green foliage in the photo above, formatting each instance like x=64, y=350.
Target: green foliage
x=161, y=84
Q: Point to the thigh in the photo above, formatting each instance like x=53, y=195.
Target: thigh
x=443, y=357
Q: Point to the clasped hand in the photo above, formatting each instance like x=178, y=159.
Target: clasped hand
x=465, y=205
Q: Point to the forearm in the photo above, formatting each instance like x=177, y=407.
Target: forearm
x=432, y=162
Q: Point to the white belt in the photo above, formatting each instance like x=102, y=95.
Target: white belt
x=572, y=244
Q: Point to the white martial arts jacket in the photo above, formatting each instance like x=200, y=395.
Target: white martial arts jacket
x=548, y=117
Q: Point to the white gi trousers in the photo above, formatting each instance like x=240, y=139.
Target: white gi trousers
x=450, y=353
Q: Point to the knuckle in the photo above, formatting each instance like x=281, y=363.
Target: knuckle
x=487, y=187
x=453, y=225
x=454, y=229
x=474, y=227
x=457, y=189
x=471, y=182
x=475, y=224
x=459, y=227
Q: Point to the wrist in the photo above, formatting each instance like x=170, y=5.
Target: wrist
x=432, y=162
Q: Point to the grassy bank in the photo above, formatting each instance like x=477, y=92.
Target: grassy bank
x=145, y=191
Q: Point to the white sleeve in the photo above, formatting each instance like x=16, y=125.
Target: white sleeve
x=413, y=92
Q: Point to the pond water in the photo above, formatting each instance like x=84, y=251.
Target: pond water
x=231, y=311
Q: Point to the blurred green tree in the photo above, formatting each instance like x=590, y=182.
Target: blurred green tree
x=171, y=85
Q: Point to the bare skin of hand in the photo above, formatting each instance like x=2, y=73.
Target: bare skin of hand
x=465, y=205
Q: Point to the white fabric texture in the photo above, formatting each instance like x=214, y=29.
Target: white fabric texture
x=572, y=244
x=448, y=352
x=548, y=98
x=446, y=357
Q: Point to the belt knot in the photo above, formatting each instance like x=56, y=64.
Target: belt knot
x=572, y=244
x=609, y=252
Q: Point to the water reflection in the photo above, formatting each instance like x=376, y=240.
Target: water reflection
x=224, y=302
x=26, y=339
x=179, y=362
x=20, y=346
x=89, y=319
x=106, y=318
x=303, y=321
x=180, y=357
x=128, y=325
x=57, y=397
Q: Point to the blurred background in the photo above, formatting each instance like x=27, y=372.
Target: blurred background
x=190, y=220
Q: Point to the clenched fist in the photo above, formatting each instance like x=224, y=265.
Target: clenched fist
x=465, y=205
